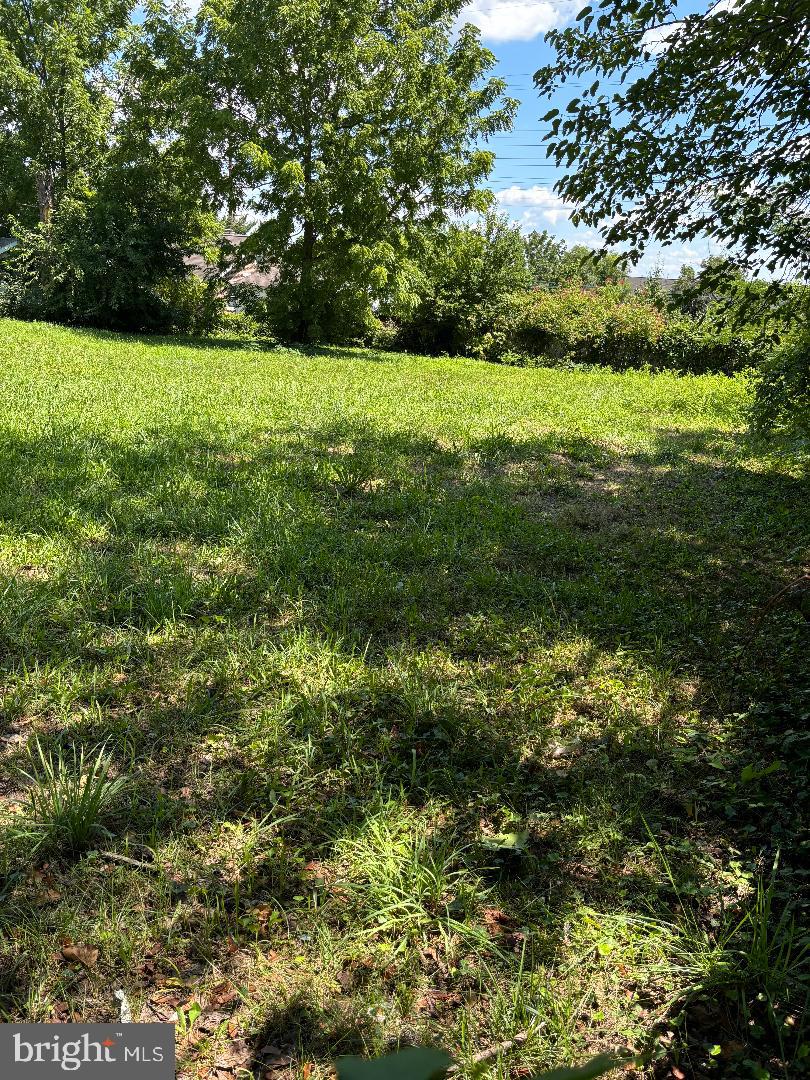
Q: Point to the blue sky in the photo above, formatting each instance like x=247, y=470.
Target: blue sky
x=524, y=178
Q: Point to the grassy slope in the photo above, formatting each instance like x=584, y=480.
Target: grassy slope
x=399, y=606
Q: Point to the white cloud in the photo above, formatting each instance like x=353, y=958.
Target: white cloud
x=539, y=202
x=656, y=41
x=539, y=207
x=517, y=20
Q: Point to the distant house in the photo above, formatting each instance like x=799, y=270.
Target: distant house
x=638, y=283
x=244, y=275
x=6, y=244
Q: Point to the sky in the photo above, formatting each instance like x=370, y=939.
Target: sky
x=523, y=178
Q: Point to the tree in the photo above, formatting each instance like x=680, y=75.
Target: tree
x=703, y=126
x=696, y=291
x=463, y=274
x=544, y=257
x=591, y=269
x=55, y=106
x=353, y=125
x=112, y=257
x=552, y=264
x=90, y=150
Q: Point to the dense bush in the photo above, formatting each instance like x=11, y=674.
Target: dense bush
x=696, y=347
x=241, y=324
x=460, y=281
x=782, y=389
x=595, y=326
x=343, y=316
x=113, y=259
x=192, y=306
x=574, y=325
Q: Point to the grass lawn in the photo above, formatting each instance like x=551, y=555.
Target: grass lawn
x=446, y=699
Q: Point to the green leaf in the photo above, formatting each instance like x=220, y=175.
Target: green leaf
x=585, y=11
x=512, y=841
x=751, y=772
x=414, y=1063
x=596, y=1067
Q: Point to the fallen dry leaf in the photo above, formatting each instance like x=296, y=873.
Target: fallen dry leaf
x=210, y=1020
x=237, y=1056
x=45, y=896
x=275, y=1057
x=731, y=1049
x=86, y=955
x=60, y=1013
x=162, y=1007
x=496, y=921
x=221, y=994
x=432, y=1001
x=44, y=887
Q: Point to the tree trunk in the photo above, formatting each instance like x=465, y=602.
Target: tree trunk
x=306, y=328
x=45, y=196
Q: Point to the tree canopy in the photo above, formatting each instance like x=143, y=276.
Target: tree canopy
x=56, y=59
x=688, y=126
x=350, y=126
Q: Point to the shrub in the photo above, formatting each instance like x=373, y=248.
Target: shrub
x=461, y=280
x=192, y=306
x=343, y=314
x=240, y=324
x=609, y=326
x=68, y=797
x=699, y=348
x=113, y=258
x=594, y=326
x=782, y=389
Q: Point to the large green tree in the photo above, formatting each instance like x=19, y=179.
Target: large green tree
x=103, y=205
x=688, y=126
x=56, y=59
x=553, y=264
x=350, y=125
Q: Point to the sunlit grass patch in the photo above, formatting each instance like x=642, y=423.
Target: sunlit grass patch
x=67, y=797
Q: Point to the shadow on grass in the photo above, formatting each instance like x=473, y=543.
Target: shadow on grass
x=542, y=631
x=243, y=344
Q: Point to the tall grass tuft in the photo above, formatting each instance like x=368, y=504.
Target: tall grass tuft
x=68, y=796
x=409, y=882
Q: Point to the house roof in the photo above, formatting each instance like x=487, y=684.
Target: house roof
x=245, y=275
x=639, y=283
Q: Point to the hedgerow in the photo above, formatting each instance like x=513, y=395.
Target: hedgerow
x=607, y=325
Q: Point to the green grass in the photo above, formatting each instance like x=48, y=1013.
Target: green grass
x=68, y=795
x=444, y=696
